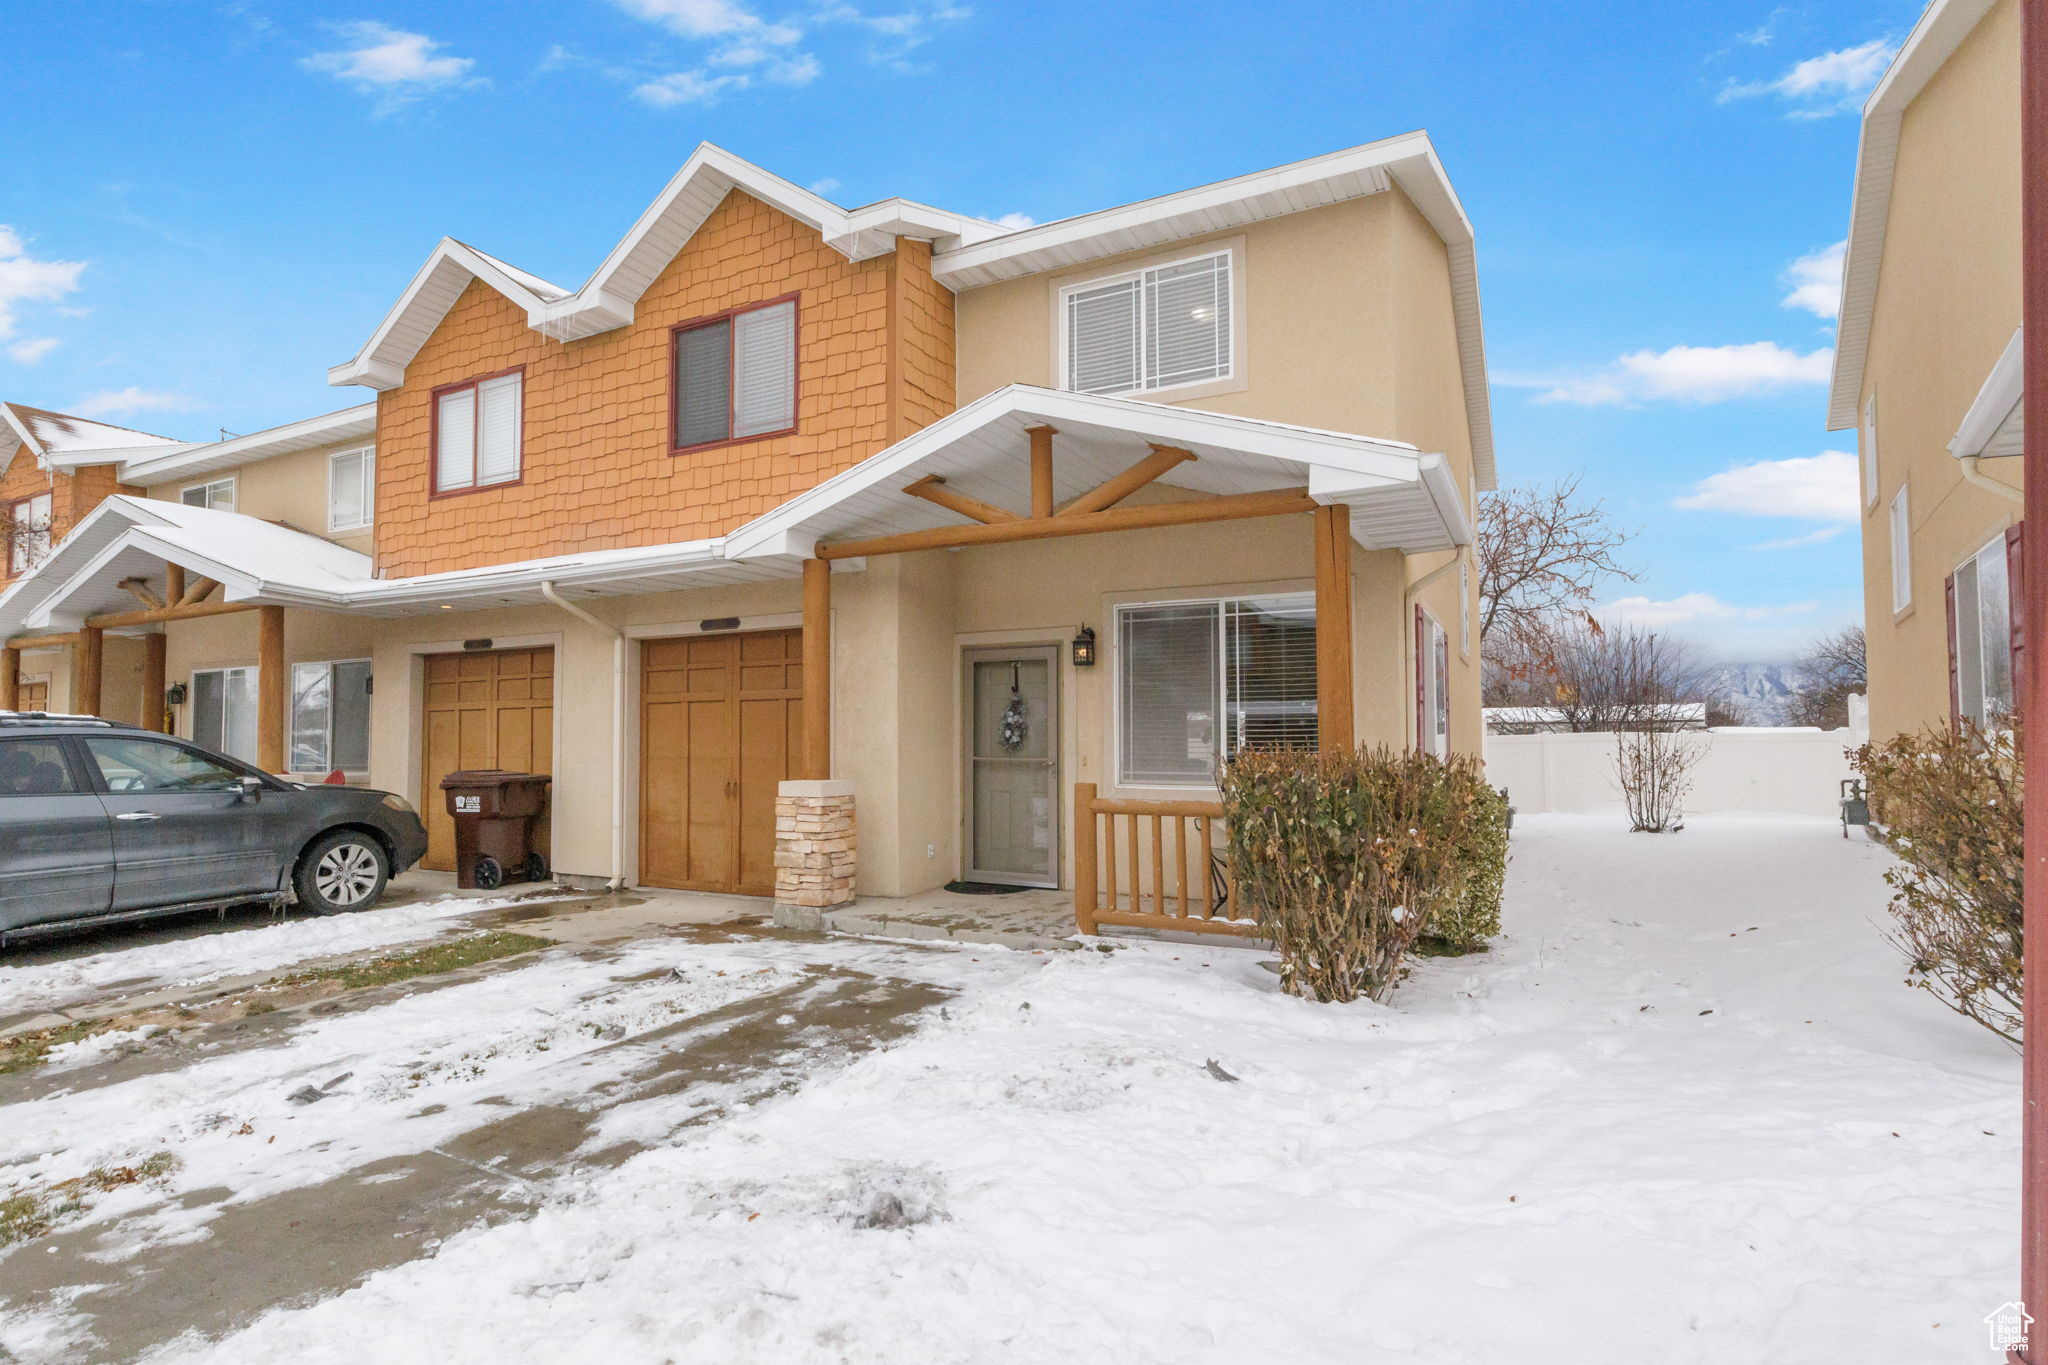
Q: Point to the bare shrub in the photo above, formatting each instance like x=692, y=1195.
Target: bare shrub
x=1950, y=804
x=1653, y=766
x=1346, y=858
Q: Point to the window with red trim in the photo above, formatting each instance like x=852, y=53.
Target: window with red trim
x=479, y=428
x=733, y=377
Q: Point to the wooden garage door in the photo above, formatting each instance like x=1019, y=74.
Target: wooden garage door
x=721, y=725
x=483, y=710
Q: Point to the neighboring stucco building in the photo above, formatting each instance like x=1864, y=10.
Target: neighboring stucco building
x=1926, y=369
x=932, y=518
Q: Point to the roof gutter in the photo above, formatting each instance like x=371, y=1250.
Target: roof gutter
x=618, y=877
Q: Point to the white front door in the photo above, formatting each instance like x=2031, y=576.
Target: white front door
x=1013, y=779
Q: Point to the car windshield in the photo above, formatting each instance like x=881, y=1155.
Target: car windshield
x=151, y=765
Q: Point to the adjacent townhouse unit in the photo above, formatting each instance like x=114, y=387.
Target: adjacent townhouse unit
x=793, y=514
x=1927, y=369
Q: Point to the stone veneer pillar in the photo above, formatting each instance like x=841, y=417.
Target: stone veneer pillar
x=817, y=843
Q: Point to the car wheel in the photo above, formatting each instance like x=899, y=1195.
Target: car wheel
x=343, y=870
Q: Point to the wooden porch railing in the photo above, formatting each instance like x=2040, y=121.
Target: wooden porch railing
x=1171, y=880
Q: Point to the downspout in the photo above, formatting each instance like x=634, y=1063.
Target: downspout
x=1408, y=597
x=1972, y=474
x=618, y=877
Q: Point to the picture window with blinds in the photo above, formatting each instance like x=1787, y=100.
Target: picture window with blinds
x=479, y=428
x=733, y=377
x=1199, y=681
x=351, y=489
x=1158, y=328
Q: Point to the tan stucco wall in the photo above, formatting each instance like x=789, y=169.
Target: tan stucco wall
x=1948, y=300
x=289, y=488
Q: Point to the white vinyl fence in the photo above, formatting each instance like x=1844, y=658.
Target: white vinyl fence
x=1784, y=772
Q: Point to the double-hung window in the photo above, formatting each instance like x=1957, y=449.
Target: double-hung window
x=28, y=533
x=1198, y=681
x=735, y=376
x=1980, y=635
x=1432, y=686
x=218, y=496
x=330, y=717
x=351, y=489
x=1151, y=329
x=224, y=711
x=478, y=430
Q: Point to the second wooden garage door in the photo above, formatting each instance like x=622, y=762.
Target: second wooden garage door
x=721, y=725
x=492, y=709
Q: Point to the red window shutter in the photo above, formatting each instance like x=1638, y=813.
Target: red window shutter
x=1955, y=687
x=2016, y=609
x=1421, y=684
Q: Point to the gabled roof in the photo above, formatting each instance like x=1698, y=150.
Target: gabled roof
x=1933, y=41
x=1400, y=497
x=607, y=298
x=149, y=466
x=1408, y=161
x=60, y=440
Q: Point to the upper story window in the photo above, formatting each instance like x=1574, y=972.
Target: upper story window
x=218, y=496
x=1902, y=552
x=735, y=376
x=1197, y=681
x=351, y=489
x=28, y=535
x=479, y=427
x=1157, y=328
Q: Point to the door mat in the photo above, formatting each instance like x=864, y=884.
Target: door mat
x=985, y=888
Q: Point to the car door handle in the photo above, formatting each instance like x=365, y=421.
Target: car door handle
x=138, y=815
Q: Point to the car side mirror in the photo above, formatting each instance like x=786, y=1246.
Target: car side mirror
x=251, y=787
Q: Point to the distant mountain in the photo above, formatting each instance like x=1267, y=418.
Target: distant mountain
x=1759, y=692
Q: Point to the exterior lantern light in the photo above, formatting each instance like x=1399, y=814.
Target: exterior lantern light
x=174, y=695
x=1084, y=648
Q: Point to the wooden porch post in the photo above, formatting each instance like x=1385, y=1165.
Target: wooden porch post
x=174, y=584
x=85, y=671
x=270, y=688
x=1335, y=725
x=156, y=648
x=1041, y=470
x=10, y=684
x=817, y=665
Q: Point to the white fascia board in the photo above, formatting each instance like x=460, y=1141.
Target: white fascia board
x=609, y=567
x=1932, y=42
x=2002, y=391
x=434, y=287
x=1357, y=459
x=1442, y=486
x=127, y=457
x=155, y=465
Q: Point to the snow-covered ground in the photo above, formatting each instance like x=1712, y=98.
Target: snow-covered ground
x=212, y=957
x=1684, y=1112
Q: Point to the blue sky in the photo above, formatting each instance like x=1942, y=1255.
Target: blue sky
x=206, y=204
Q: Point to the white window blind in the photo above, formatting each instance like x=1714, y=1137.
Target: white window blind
x=736, y=377
x=330, y=720
x=351, y=485
x=1902, y=552
x=764, y=360
x=218, y=496
x=455, y=461
x=224, y=711
x=1160, y=328
x=1198, y=681
x=497, y=442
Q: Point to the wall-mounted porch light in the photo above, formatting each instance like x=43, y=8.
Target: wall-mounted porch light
x=174, y=695
x=1084, y=648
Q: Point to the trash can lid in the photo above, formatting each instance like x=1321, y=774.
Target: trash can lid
x=490, y=777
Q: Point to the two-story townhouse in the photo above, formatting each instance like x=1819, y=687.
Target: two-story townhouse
x=1927, y=369
x=791, y=511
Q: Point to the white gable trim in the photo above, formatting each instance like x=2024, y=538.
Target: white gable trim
x=1933, y=41
x=1996, y=421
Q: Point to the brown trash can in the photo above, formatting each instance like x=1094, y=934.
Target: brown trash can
x=494, y=812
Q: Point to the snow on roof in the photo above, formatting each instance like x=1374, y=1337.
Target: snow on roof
x=55, y=433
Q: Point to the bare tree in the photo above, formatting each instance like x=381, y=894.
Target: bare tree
x=1542, y=552
x=1599, y=678
x=1832, y=670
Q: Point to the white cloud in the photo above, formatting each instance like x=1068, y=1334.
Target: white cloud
x=801, y=69
x=1816, y=280
x=1690, y=608
x=825, y=186
x=30, y=351
x=1832, y=83
x=1015, y=221
x=701, y=18
x=1821, y=487
x=687, y=87
x=130, y=400
x=1813, y=537
x=1685, y=374
x=25, y=279
x=396, y=66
